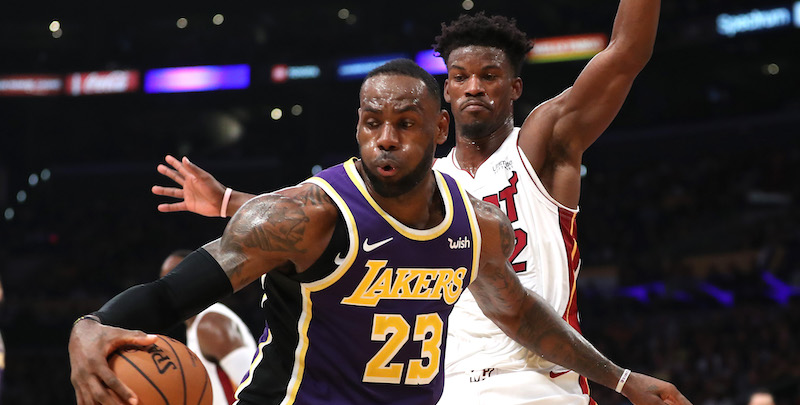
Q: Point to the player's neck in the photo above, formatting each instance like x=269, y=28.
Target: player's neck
x=420, y=208
x=472, y=151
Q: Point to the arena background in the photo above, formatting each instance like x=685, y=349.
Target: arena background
x=688, y=229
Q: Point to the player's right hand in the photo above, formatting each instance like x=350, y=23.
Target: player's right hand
x=200, y=192
x=90, y=344
x=643, y=389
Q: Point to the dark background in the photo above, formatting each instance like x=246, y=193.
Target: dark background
x=687, y=230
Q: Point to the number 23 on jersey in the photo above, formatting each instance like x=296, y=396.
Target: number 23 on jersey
x=395, y=332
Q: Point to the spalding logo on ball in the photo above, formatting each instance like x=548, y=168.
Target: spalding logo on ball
x=166, y=373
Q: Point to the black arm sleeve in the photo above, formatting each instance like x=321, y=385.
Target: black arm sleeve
x=194, y=284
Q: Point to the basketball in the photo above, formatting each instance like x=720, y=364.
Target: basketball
x=166, y=373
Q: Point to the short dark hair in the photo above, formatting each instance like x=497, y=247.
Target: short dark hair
x=482, y=30
x=407, y=67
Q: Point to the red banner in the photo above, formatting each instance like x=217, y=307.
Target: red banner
x=115, y=81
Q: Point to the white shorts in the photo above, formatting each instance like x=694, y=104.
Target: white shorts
x=497, y=386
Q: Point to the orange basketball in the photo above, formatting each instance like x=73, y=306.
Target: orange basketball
x=166, y=373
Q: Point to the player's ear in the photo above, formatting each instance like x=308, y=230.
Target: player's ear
x=358, y=121
x=516, y=88
x=443, y=127
x=446, y=91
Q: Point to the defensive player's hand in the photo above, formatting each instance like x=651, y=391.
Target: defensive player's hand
x=645, y=390
x=200, y=192
x=90, y=344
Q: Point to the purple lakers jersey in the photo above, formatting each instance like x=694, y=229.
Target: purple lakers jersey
x=367, y=323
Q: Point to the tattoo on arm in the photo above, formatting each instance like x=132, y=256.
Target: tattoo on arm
x=267, y=224
x=283, y=226
x=314, y=196
x=507, y=238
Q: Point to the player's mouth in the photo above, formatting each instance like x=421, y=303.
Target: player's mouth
x=387, y=170
x=385, y=166
x=474, y=105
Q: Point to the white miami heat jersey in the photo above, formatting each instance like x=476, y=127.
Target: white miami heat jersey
x=545, y=258
x=222, y=395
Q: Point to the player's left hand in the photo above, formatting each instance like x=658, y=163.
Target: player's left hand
x=200, y=192
x=643, y=389
x=90, y=344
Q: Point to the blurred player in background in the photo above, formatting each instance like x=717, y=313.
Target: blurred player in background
x=531, y=172
x=761, y=397
x=221, y=340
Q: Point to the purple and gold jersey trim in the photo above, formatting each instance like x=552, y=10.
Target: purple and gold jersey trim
x=266, y=339
x=410, y=233
x=476, y=234
x=308, y=288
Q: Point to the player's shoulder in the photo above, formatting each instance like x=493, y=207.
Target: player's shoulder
x=494, y=225
x=539, y=122
x=488, y=213
x=302, y=213
x=307, y=197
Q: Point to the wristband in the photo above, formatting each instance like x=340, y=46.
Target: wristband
x=90, y=317
x=621, y=383
x=223, y=210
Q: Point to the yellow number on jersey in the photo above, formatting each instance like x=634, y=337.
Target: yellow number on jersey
x=380, y=369
x=431, y=349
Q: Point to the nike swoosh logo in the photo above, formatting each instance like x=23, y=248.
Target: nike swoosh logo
x=338, y=260
x=554, y=375
x=370, y=247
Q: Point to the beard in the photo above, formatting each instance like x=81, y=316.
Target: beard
x=406, y=183
x=476, y=129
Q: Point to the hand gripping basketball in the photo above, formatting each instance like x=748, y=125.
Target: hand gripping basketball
x=166, y=372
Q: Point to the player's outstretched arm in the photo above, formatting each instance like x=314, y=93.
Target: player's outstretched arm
x=282, y=231
x=557, y=133
x=530, y=320
x=199, y=191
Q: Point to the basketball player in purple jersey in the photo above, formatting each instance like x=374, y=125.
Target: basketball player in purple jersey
x=361, y=266
x=532, y=173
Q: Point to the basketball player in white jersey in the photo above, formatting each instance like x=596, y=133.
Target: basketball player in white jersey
x=220, y=339
x=531, y=172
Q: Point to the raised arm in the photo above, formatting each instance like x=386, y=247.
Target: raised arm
x=558, y=131
x=285, y=231
x=200, y=191
x=530, y=320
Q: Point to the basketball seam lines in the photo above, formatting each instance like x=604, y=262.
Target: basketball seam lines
x=203, y=392
x=166, y=401
x=180, y=366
